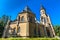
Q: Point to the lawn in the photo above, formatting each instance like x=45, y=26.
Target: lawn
x=29, y=39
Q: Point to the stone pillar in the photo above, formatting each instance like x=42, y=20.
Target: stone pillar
x=27, y=29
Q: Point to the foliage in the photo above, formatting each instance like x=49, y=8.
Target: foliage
x=3, y=22
x=57, y=30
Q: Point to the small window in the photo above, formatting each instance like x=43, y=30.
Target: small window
x=22, y=18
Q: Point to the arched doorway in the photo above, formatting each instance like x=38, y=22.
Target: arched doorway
x=48, y=32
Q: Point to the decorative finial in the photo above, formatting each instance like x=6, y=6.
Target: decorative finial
x=27, y=8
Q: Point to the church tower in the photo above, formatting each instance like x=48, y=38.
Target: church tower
x=43, y=21
x=46, y=23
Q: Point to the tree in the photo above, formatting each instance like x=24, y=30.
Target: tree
x=4, y=19
x=3, y=22
x=57, y=30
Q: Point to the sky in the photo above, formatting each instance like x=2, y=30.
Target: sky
x=13, y=7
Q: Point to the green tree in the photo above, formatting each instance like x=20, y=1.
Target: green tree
x=4, y=19
x=3, y=22
x=57, y=30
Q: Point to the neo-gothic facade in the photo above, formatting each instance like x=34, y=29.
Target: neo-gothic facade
x=26, y=25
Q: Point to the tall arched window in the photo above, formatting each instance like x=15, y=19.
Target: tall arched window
x=44, y=20
x=22, y=18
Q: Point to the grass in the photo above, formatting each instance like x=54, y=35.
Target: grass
x=29, y=39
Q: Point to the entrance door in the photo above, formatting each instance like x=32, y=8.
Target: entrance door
x=48, y=32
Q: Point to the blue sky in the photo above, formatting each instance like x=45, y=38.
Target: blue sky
x=13, y=7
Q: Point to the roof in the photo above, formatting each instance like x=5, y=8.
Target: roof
x=42, y=7
x=26, y=10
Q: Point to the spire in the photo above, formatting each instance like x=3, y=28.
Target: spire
x=42, y=7
x=27, y=9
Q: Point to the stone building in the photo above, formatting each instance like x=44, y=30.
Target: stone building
x=26, y=25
